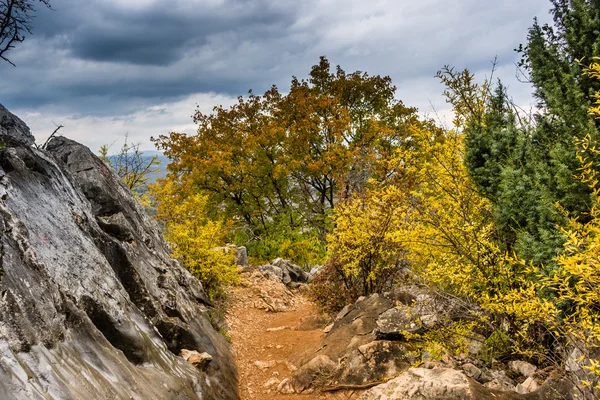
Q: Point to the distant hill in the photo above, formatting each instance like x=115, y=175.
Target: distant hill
x=161, y=168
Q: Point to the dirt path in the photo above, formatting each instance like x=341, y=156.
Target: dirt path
x=269, y=345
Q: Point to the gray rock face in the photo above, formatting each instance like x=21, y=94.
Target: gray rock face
x=393, y=323
x=450, y=384
x=291, y=272
x=92, y=304
x=13, y=130
x=287, y=272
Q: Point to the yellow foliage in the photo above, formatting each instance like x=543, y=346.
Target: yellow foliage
x=364, y=240
x=194, y=237
x=448, y=229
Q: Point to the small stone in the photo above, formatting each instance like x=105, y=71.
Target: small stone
x=263, y=365
x=328, y=328
x=286, y=387
x=530, y=385
x=279, y=328
x=271, y=383
x=199, y=360
x=522, y=367
x=471, y=371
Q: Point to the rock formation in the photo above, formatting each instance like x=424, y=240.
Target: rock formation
x=369, y=345
x=92, y=306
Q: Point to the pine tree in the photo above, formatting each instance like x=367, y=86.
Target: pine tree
x=526, y=168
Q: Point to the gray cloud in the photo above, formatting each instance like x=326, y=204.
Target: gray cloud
x=118, y=58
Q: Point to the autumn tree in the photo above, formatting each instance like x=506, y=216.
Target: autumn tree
x=15, y=23
x=283, y=162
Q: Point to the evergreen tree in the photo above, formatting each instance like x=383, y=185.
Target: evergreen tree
x=525, y=168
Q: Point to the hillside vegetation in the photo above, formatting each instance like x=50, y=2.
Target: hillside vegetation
x=500, y=211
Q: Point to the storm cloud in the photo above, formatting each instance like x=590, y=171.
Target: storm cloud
x=104, y=66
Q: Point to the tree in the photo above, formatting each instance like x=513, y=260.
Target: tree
x=130, y=164
x=526, y=168
x=15, y=23
x=523, y=165
x=277, y=164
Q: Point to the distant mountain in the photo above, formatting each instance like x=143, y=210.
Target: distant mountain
x=147, y=155
x=162, y=168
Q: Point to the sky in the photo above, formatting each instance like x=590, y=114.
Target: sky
x=106, y=68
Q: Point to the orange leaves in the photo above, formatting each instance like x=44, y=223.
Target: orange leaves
x=294, y=154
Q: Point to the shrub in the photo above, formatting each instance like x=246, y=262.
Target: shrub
x=193, y=236
x=367, y=252
x=331, y=290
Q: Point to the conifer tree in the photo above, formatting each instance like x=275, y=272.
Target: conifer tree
x=525, y=168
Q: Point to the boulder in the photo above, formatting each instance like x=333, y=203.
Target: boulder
x=272, y=272
x=424, y=384
x=92, y=304
x=291, y=271
x=13, y=130
x=372, y=362
x=522, y=367
x=317, y=371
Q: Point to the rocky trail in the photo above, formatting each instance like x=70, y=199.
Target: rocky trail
x=268, y=345
x=285, y=349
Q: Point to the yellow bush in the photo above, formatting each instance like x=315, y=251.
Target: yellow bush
x=364, y=242
x=193, y=236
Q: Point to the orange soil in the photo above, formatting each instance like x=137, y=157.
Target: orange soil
x=266, y=354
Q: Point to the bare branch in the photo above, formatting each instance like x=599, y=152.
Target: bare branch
x=15, y=23
x=58, y=127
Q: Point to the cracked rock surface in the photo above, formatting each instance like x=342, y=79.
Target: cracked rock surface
x=92, y=304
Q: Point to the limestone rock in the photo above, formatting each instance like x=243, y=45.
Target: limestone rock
x=530, y=385
x=13, y=130
x=522, y=367
x=372, y=362
x=392, y=324
x=314, y=271
x=273, y=382
x=424, y=384
x=198, y=360
x=320, y=369
x=240, y=253
x=92, y=304
x=272, y=272
x=291, y=271
x=502, y=383
x=471, y=371
x=286, y=387
x=241, y=256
